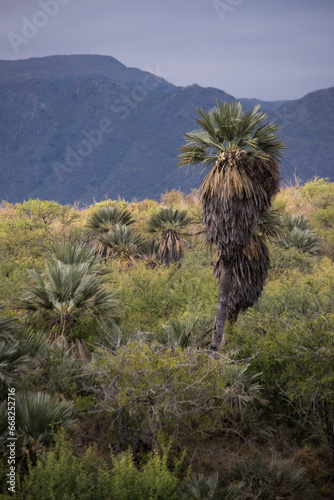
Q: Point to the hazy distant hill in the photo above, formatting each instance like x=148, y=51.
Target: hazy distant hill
x=85, y=127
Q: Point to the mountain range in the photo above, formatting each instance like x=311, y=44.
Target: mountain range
x=86, y=127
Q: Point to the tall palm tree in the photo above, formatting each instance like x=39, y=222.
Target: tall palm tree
x=169, y=224
x=242, y=153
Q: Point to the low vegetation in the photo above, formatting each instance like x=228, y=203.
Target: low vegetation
x=106, y=320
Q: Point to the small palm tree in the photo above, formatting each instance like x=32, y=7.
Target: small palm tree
x=37, y=414
x=201, y=488
x=242, y=153
x=298, y=233
x=104, y=220
x=18, y=348
x=187, y=334
x=169, y=224
x=123, y=243
x=273, y=477
x=63, y=293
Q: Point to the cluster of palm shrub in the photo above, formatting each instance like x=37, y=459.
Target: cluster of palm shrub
x=105, y=335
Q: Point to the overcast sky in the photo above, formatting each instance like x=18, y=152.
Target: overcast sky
x=268, y=49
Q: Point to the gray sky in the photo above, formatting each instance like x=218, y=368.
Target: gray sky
x=268, y=49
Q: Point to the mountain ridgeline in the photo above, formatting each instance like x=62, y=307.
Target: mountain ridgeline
x=85, y=127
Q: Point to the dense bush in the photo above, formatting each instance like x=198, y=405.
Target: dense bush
x=149, y=389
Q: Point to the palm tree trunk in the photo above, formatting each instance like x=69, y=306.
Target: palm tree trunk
x=224, y=287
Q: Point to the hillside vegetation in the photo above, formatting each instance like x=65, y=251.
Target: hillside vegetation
x=106, y=318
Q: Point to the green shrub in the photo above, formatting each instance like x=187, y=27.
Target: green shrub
x=60, y=475
x=150, y=389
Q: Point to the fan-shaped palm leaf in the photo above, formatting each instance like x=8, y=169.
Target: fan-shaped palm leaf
x=123, y=243
x=298, y=233
x=12, y=363
x=65, y=291
x=36, y=416
x=270, y=225
x=105, y=218
x=291, y=221
x=305, y=241
x=199, y=487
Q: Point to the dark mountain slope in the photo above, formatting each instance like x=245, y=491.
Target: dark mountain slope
x=307, y=127
x=66, y=70
x=84, y=127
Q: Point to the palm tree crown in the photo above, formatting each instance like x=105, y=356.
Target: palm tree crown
x=227, y=128
x=242, y=152
x=123, y=243
x=105, y=218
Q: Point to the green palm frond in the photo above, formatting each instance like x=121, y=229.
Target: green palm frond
x=37, y=414
x=291, y=221
x=273, y=477
x=105, y=218
x=270, y=225
x=298, y=233
x=33, y=343
x=76, y=254
x=305, y=241
x=12, y=363
x=201, y=488
x=64, y=291
x=123, y=243
x=168, y=218
x=187, y=334
x=8, y=325
x=227, y=128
